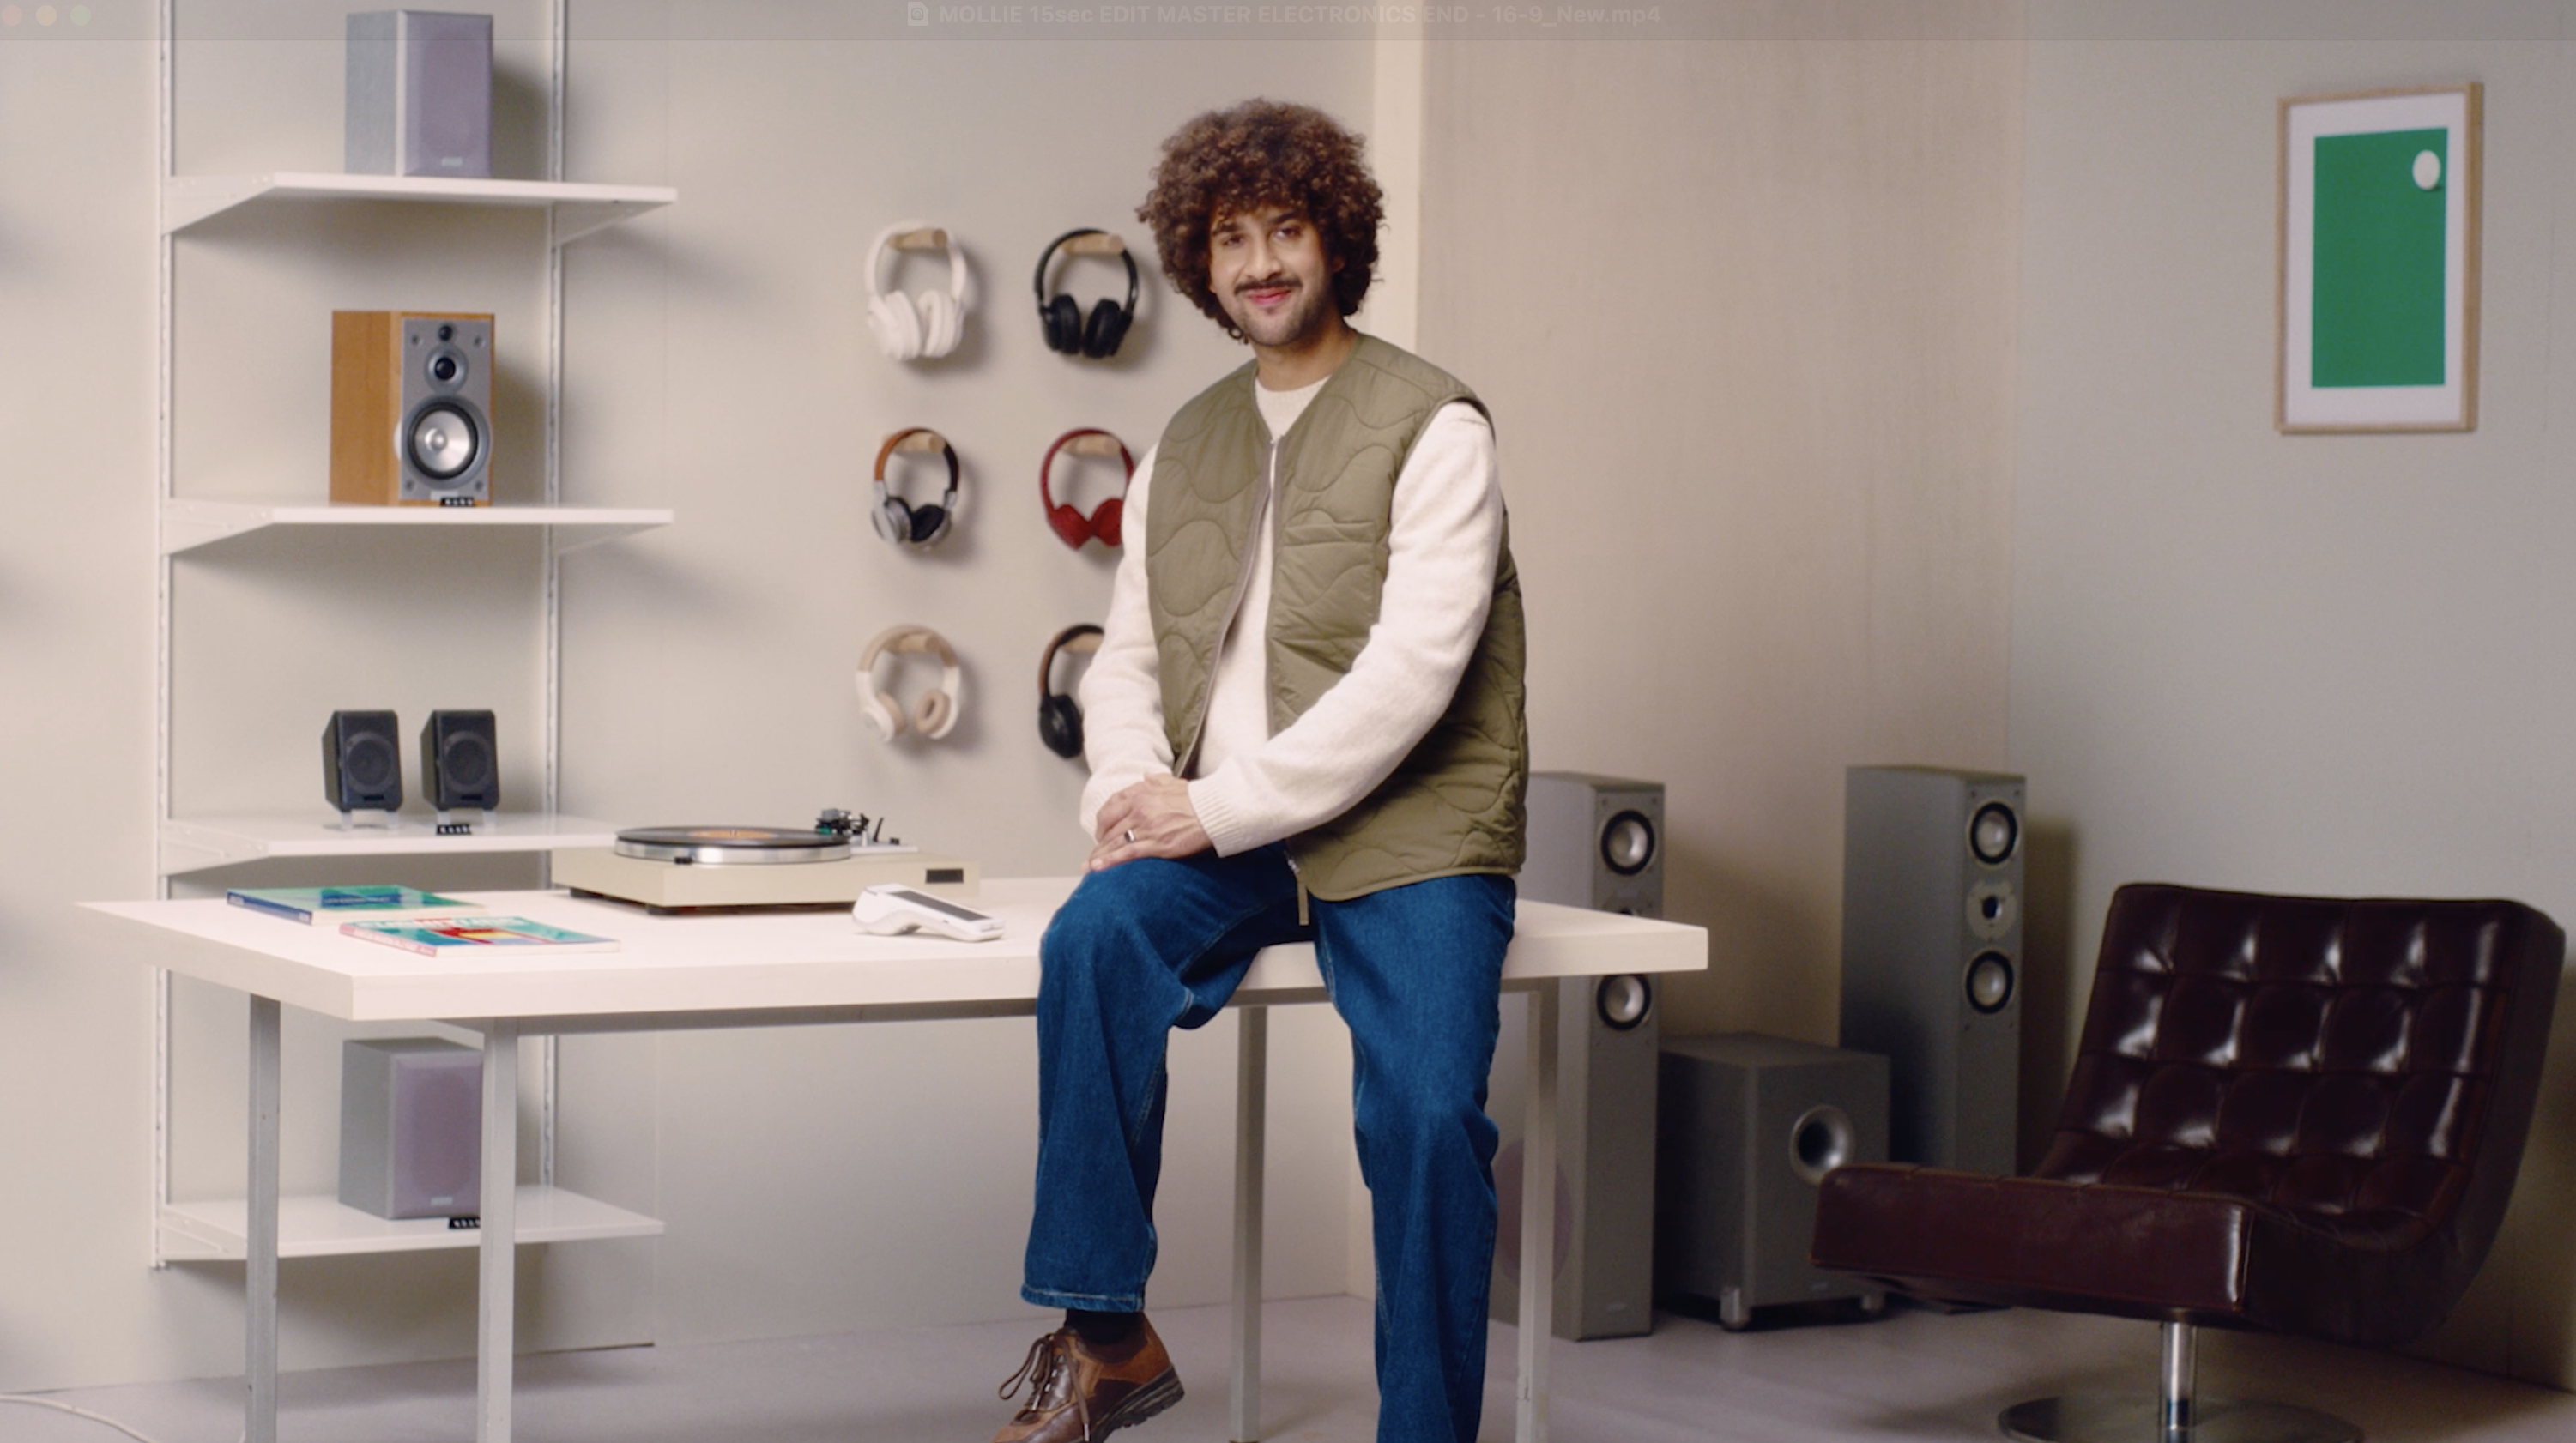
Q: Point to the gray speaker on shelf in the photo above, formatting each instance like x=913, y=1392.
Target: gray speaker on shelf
x=1749, y=1127
x=418, y=94
x=411, y=1127
x=1932, y=954
x=1593, y=842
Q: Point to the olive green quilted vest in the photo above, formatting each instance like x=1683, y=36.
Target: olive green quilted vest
x=1453, y=805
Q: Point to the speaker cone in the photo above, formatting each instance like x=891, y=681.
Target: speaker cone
x=1993, y=833
x=369, y=760
x=1628, y=843
x=443, y=441
x=1990, y=982
x=1820, y=1141
x=465, y=762
x=446, y=368
x=1623, y=1002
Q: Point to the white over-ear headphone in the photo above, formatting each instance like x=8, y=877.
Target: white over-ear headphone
x=929, y=324
x=936, y=713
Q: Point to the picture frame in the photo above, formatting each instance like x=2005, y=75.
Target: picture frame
x=2378, y=264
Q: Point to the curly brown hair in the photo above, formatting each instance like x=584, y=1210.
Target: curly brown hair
x=1264, y=152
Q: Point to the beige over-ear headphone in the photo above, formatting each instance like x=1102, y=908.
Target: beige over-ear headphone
x=936, y=713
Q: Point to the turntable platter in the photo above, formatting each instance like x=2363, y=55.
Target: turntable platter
x=731, y=846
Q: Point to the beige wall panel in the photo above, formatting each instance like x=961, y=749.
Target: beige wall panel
x=2304, y=664
x=1743, y=311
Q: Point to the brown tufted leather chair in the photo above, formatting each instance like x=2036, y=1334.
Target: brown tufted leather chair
x=2287, y=1113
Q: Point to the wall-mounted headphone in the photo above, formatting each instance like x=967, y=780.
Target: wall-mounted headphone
x=923, y=326
x=1059, y=718
x=898, y=520
x=1067, y=331
x=1070, y=525
x=936, y=713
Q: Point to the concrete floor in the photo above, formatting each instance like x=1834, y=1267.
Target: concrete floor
x=1912, y=1375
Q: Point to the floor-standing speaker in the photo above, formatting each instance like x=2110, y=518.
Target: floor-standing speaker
x=1593, y=842
x=418, y=94
x=411, y=1127
x=1932, y=889
x=411, y=408
x=1749, y=1127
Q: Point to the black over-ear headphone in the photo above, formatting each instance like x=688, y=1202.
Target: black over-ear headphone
x=1067, y=331
x=898, y=520
x=1059, y=719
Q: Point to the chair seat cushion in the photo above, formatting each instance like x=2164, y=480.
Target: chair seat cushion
x=2100, y=1247
x=2129, y=1251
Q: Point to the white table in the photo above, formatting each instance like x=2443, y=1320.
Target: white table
x=787, y=969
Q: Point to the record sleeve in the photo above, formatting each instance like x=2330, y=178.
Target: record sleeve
x=452, y=936
x=314, y=905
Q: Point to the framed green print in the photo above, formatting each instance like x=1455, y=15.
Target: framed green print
x=2379, y=261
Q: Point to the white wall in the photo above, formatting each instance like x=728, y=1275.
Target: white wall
x=2306, y=663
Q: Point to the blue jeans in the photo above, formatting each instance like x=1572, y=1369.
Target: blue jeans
x=1415, y=971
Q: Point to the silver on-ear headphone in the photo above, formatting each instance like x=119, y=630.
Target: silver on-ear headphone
x=927, y=325
x=898, y=520
x=935, y=715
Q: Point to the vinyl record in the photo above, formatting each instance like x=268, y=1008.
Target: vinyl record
x=731, y=846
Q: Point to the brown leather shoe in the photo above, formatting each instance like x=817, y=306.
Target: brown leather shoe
x=1080, y=1396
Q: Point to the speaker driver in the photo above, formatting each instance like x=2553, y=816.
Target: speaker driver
x=1623, y=1001
x=444, y=441
x=446, y=368
x=371, y=760
x=465, y=759
x=1820, y=1141
x=1993, y=833
x=1990, y=982
x=1628, y=843
x=1993, y=907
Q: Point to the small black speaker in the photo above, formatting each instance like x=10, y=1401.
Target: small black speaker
x=460, y=763
x=362, y=761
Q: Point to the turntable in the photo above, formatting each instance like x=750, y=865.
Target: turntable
x=679, y=869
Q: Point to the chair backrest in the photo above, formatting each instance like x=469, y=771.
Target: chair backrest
x=2367, y=1066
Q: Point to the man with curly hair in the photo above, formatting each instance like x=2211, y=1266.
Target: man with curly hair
x=1304, y=723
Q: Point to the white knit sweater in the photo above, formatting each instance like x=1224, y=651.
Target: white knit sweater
x=1251, y=788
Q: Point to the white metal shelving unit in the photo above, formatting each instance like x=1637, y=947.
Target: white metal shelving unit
x=311, y=1225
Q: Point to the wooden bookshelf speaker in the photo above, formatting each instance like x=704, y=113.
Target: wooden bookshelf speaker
x=411, y=407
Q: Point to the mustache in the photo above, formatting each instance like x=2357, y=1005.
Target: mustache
x=1266, y=283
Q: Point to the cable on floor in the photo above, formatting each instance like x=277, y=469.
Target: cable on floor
x=99, y=1418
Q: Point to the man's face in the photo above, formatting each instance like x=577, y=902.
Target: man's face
x=1268, y=269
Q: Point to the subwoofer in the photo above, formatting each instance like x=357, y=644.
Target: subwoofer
x=1749, y=1127
x=460, y=761
x=1932, y=954
x=362, y=761
x=411, y=1127
x=411, y=408
x=1593, y=842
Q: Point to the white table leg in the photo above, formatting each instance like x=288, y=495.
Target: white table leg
x=1538, y=1218
x=259, y=1274
x=496, y=1297
x=1251, y=1101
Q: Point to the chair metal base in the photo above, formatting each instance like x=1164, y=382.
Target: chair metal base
x=2138, y=1418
